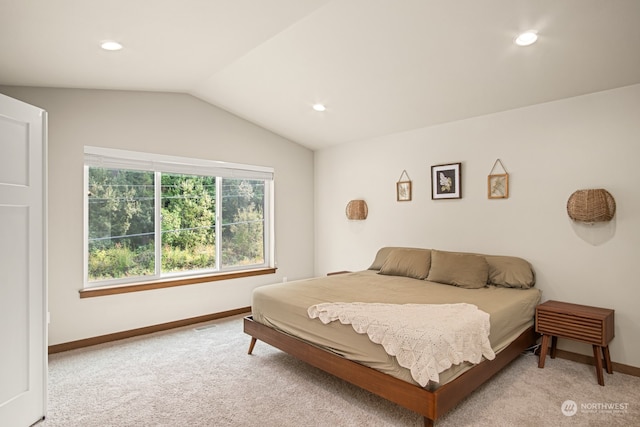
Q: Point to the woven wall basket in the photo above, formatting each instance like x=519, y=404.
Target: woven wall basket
x=594, y=205
x=357, y=210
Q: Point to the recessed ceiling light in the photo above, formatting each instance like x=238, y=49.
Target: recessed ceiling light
x=110, y=45
x=319, y=107
x=527, y=38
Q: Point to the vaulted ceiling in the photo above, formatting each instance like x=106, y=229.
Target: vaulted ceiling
x=379, y=66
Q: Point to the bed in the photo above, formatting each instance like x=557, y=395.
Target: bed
x=500, y=286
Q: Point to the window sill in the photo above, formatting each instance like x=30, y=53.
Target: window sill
x=170, y=283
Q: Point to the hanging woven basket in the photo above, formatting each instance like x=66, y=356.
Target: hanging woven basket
x=593, y=205
x=357, y=210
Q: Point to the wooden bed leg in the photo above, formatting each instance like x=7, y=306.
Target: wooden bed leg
x=428, y=422
x=252, y=344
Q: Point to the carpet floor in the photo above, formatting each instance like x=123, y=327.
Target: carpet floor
x=202, y=376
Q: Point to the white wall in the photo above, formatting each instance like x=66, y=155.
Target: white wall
x=163, y=123
x=549, y=150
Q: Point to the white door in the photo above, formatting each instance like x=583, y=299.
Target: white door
x=23, y=299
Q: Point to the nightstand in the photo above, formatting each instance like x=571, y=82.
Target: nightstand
x=333, y=273
x=591, y=325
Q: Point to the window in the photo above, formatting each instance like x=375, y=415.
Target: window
x=150, y=217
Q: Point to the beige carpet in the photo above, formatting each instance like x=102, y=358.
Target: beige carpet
x=202, y=376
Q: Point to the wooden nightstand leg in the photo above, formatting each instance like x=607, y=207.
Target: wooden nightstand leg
x=607, y=359
x=543, y=350
x=598, y=358
x=554, y=343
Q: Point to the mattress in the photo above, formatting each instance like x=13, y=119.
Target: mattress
x=283, y=306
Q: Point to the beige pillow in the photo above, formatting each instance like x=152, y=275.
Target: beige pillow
x=459, y=269
x=381, y=257
x=510, y=272
x=407, y=262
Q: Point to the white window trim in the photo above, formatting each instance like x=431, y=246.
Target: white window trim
x=125, y=159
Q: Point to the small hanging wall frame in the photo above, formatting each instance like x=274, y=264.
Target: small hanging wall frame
x=403, y=188
x=498, y=184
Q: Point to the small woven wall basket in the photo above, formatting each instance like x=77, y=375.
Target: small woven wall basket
x=357, y=210
x=594, y=205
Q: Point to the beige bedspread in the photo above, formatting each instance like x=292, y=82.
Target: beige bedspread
x=284, y=307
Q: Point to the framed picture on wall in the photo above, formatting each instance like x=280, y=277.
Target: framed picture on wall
x=403, y=191
x=498, y=186
x=445, y=181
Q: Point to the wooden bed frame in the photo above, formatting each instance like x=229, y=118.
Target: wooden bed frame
x=430, y=404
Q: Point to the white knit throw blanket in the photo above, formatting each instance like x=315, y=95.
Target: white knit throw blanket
x=425, y=338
